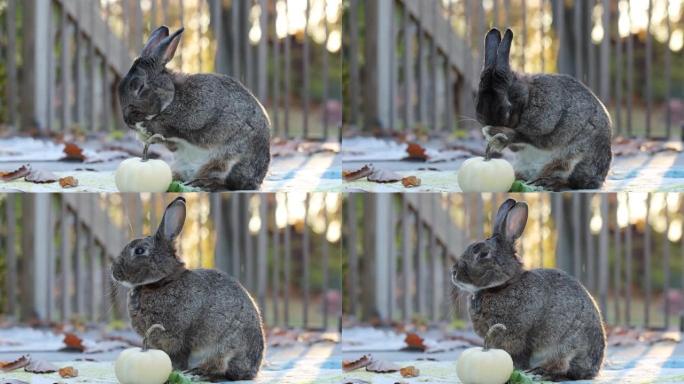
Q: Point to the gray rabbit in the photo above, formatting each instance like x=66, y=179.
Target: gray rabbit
x=558, y=129
x=212, y=325
x=217, y=130
x=554, y=327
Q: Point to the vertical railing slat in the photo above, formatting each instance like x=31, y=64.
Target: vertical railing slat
x=666, y=266
x=262, y=256
x=648, y=91
x=628, y=264
x=12, y=89
x=288, y=269
x=603, y=266
x=325, y=265
x=353, y=257
x=647, y=264
x=306, y=88
x=576, y=231
x=306, y=256
x=407, y=267
x=11, y=267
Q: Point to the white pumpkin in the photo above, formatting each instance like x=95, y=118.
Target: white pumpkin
x=485, y=365
x=479, y=174
x=143, y=365
x=143, y=174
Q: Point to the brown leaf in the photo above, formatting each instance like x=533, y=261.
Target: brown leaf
x=416, y=152
x=381, y=366
x=8, y=366
x=351, y=365
x=41, y=177
x=40, y=366
x=68, y=182
x=15, y=174
x=357, y=173
x=68, y=372
x=73, y=152
x=409, y=371
x=415, y=342
x=383, y=176
x=73, y=342
x=410, y=181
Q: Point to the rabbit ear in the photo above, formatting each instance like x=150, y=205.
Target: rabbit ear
x=156, y=37
x=504, y=50
x=500, y=220
x=515, y=221
x=167, y=48
x=173, y=220
x=492, y=41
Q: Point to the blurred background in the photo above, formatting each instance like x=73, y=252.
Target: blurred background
x=415, y=72
x=62, y=59
x=55, y=253
x=625, y=248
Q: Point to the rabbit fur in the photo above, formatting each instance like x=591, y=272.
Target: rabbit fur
x=554, y=327
x=559, y=131
x=212, y=325
x=217, y=130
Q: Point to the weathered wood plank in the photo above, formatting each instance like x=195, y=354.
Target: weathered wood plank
x=106, y=42
x=449, y=44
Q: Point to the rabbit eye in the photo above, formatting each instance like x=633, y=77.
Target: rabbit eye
x=139, y=250
x=483, y=254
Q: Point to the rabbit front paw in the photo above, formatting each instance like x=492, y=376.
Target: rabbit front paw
x=143, y=133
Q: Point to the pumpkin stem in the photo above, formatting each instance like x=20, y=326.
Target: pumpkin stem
x=488, y=153
x=156, y=138
x=490, y=332
x=148, y=333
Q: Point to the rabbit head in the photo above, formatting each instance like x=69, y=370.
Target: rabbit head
x=499, y=96
x=152, y=258
x=492, y=262
x=148, y=88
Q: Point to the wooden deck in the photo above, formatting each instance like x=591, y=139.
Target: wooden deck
x=297, y=362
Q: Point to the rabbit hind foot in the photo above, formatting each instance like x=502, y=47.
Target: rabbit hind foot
x=555, y=369
x=212, y=176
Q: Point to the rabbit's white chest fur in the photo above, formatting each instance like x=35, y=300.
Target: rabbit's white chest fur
x=188, y=158
x=529, y=160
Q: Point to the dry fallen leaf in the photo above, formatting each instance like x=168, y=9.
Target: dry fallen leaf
x=40, y=366
x=415, y=342
x=351, y=365
x=41, y=177
x=67, y=372
x=409, y=371
x=15, y=174
x=381, y=366
x=410, y=181
x=7, y=366
x=68, y=182
x=383, y=176
x=73, y=152
x=357, y=173
x=416, y=152
x=73, y=342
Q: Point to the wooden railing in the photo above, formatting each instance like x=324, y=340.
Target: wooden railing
x=619, y=246
x=56, y=252
x=418, y=69
x=64, y=65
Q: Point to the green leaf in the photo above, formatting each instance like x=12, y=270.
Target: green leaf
x=177, y=377
x=178, y=187
x=520, y=186
x=519, y=377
